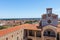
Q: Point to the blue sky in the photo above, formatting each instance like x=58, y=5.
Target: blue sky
x=27, y=8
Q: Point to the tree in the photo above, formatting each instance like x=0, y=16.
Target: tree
x=2, y=27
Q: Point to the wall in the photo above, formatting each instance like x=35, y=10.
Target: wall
x=18, y=33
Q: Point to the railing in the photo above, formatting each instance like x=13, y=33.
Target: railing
x=49, y=35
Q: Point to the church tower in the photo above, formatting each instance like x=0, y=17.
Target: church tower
x=49, y=18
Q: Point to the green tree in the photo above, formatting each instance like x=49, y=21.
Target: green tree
x=2, y=27
x=30, y=22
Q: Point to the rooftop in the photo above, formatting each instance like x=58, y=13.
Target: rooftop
x=24, y=26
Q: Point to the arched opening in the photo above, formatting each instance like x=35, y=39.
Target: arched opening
x=49, y=33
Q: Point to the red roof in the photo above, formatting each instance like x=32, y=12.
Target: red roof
x=8, y=30
x=30, y=26
x=24, y=26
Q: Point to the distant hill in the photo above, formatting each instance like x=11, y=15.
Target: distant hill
x=21, y=19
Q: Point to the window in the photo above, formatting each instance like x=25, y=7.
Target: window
x=49, y=11
x=38, y=34
x=29, y=39
x=12, y=36
x=17, y=33
x=25, y=33
x=31, y=33
x=6, y=38
x=17, y=38
x=48, y=32
x=54, y=17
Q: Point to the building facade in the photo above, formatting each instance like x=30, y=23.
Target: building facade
x=47, y=29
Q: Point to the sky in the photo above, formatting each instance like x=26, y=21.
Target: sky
x=27, y=8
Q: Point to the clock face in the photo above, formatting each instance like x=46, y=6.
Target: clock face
x=49, y=21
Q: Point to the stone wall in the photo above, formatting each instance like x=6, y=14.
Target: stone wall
x=18, y=34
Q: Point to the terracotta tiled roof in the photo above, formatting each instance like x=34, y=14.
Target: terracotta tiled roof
x=8, y=30
x=24, y=26
x=30, y=26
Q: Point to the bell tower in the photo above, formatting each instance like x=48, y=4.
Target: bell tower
x=49, y=10
x=49, y=18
